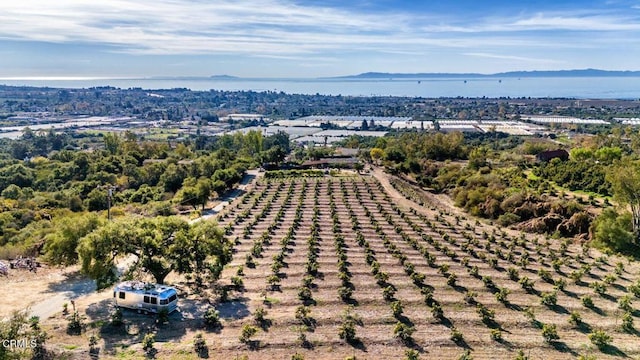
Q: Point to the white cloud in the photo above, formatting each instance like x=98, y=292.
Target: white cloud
x=287, y=30
x=584, y=23
x=166, y=26
x=513, y=57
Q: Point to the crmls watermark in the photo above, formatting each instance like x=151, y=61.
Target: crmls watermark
x=24, y=343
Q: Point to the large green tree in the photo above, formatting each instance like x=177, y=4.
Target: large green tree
x=624, y=177
x=159, y=246
x=61, y=244
x=613, y=230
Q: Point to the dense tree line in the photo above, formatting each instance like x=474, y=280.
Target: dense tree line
x=55, y=187
x=576, y=175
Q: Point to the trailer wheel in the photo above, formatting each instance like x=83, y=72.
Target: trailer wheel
x=145, y=312
x=139, y=311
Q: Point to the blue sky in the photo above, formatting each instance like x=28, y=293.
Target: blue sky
x=312, y=38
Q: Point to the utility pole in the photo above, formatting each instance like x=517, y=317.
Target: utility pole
x=110, y=189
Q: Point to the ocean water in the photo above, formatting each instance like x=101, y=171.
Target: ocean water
x=535, y=87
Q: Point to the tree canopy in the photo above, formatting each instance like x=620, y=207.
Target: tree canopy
x=624, y=177
x=159, y=246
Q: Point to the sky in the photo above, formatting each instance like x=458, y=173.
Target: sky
x=312, y=38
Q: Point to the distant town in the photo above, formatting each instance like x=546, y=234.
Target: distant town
x=308, y=119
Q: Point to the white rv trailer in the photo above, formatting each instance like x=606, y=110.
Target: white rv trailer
x=145, y=297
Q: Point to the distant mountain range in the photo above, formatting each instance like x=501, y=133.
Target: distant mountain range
x=418, y=76
x=510, y=74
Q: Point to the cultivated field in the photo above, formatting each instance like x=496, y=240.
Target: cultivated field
x=321, y=255
x=346, y=266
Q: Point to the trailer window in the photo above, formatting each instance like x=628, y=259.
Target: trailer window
x=121, y=295
x=154, y=300
x=173, y=298
x=114, y=294
x=164, y=301
x=146, y=299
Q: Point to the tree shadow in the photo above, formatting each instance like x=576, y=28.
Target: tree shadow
x=151, y=353
x=265, y=324
x=505, y=343
x=596, y=310
x=309, y=302
x=463, y=344
x=203, y=352
x=513, y=306
x=351, y=301
x=619, y=287
x=75, y=284
x=405, y=320
x=358, y=344
x=253, y=345
x=584, y=328
x=570, y=293
x=563, y=348
x=613, y=351
x=559, y=309
x=443, y=320
x=234, y=309
x=411, y=343
x=459, y=288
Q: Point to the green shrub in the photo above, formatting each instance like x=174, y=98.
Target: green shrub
x=411, y=354
x=211, y=318
x=587, y=301
x=634, y=289
x=436, y=312
x=403, y=331
x=347, y=331
x=260, y=316
x=388, y=293
x=549, y=298
x=147, y=343
x=575, y=318
x=508, y=219
x=237, y=282
x=502, y=294
x=526, y=283
x=470, y=297
x=513, y=274
x=466, y=355
x=599, y=287
x=248, y=331
x=600, y=339
x=396, y=308
x=456, y=335
x=627, y=323
x=521, y=356
x=451, y=280
x=624, y=303
x=486, y=315
x=74, y=327
x=549, y=333
x=304, y=294
x=200, y=346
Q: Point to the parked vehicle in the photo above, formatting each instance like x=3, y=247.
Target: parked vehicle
x=145, y=297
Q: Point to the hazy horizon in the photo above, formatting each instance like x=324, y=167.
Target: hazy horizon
x=311, y=39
